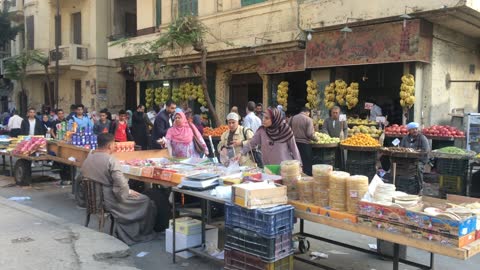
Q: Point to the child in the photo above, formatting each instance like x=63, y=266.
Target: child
x=120, y=129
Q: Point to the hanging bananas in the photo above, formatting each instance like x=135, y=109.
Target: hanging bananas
x=407, y=91
x=352, y=95
x=329, y=100
x=341, y=91
x=176, y=95
x=312, y=95
x=149, y=93
x=282, y=94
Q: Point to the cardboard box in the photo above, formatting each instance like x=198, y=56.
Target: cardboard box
x=443, y=239
x=157, y=173
x=183, y=241
x=259, y=195
x=306, y=207
x=382, y=212
x=338, y=215
x=135, y=170
x=177, y=178
x=167, y=175
x=187, y=226
x=125, y=168
x=392, y=227
x=442, y=225
x=147, y=172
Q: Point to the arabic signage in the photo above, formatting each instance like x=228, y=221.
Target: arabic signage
x=156, y=71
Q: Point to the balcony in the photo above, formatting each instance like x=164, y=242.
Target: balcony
x=16, y=10
x=70, y=55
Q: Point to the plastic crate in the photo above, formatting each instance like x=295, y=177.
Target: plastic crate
x=407, y=184
x=265, y=221
x=452, y=184
x=237, y=260
x=324, y=156
x=269, y=249
x=447, y=166
x=361, y=156
x=368, y=170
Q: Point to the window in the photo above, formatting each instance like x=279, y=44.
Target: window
x=188, y=7
x=30, y=33
x=158, y=9
x=251, y=2
x=78, y=91
x=77, y=28
x=130, y=24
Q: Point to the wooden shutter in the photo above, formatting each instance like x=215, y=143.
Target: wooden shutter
x=188, y=7
x=30, y=33
x=78, y=91
x=158, y=11
x=77, y=28
x=58, y=32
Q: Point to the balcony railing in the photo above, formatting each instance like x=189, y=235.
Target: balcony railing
x=70, y=55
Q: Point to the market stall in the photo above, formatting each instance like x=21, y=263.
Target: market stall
x=360, y=154
x=324, y=149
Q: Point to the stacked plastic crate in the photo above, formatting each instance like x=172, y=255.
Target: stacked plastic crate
x=259, y=239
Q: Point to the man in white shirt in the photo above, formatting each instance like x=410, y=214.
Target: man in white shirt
x=15, y=125
x=32, y=126
x=251, y=121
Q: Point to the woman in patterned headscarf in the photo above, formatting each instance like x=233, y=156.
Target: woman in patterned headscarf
x=275, y=138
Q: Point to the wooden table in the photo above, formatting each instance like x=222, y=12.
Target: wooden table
x=463, y=253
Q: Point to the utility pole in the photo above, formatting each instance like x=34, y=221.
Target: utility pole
x=57, y=52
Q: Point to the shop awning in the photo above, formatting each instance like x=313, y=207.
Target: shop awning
x=372, y=44
x=282, y=62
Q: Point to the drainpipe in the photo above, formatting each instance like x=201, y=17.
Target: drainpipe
x=57, y=51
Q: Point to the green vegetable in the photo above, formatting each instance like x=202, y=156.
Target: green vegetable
x=452, y=150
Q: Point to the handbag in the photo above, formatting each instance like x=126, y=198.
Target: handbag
x=197, y=144
x=255, y=153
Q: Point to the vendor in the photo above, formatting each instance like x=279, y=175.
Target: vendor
x=417, y=141
x=234, y=139
x=333, y=126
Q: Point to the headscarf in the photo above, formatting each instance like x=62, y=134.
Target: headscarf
x=130, y=114
x=279, y=131
x=412, y=125
x=197, y=121
x=182, y=133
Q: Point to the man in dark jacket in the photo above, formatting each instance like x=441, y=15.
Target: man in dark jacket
x=31, y=125
x=140, y=124
x=163, y=121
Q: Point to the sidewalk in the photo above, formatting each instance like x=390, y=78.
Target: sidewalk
x=32, y=239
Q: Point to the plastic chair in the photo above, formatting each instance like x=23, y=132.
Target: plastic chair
x=95, y=204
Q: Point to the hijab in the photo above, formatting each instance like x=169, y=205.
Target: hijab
x=197, y=121
x=182, y=133
x=279, y=131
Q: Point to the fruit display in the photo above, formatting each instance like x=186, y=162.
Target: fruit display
x=329, y=100
x=177, y=96
x=312, y=94
x=161, y=95
x=358, y=121
x=340, y=91
x=371, y=130
x=361, y=140
x=282, y=94
x=352, y=95
x=149, y=95
x=407, y=91
x=396, y=130
x=28, y=147
x=320, y=122
x=443, y=131
x=322, y=138
x=399, y=150
x=215, y=132
x=452, y=150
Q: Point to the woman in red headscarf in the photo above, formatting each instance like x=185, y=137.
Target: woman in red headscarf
x=275, y=138
x=181, y=136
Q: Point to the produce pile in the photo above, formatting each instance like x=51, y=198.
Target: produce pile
x=360, y=139
x=215, y=132
x=28, y=147
x=452, y=150
x=399, y=150
x=371, y=130
x=358, y=121
x=340, y=91
x=282, y=94
x=329, y=100
x=443, y=131
x=322, y=138
x=189, y=91
x=396, y=130
x=352, y=95
x=312, y=94
x=156, y=96
x=407, y=91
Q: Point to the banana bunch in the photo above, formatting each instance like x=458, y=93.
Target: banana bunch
x=329, y=100
x=282, y=94
x=158, y=95
x=407, y=91
x=200, y=96
x=164, y=95
x=352, y=95
x=149, y=93
x=312, y=94
x=176, y=95
x=341, y=91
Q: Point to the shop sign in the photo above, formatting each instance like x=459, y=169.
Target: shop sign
x=281, y=63
x=156, y=71
x=372, y=44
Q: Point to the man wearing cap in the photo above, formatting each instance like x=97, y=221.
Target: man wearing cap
x=233, y=140
x=419, y=142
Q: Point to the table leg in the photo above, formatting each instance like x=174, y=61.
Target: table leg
x=396, y=255
x=432, y=261
x=72, y=178
x=302, y=226
x=3, y=159
x=173, y=226
x=11, y=166
x=204, y=219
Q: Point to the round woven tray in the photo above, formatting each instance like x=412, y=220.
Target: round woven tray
x=468, y=155
x=386, y=151
x=325, y=145
x=360, y=148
